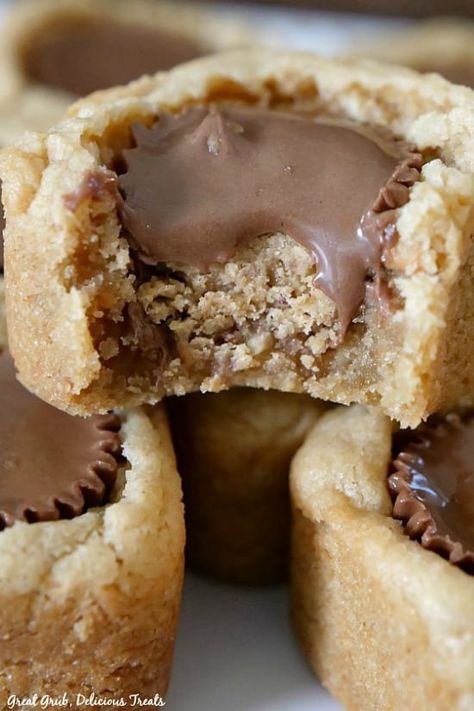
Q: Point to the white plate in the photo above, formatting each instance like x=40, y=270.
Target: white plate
x=236, y=652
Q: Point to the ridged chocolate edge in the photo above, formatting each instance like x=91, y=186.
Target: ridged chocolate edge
x=418, y=521
x=88, y=491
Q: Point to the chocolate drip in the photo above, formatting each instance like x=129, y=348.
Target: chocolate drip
x=150, y=340
x=82, y=55
x=201, y=183
x=53, y=465
x=432, y=486
x=95, y=185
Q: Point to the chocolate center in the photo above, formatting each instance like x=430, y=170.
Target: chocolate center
x=433, y=488
x=53, y=465
x=201, y=183
x=82, y=55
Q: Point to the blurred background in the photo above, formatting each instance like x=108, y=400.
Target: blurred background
x=418, y=8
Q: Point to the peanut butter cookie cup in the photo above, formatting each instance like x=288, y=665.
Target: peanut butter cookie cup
x=91, y=550
x=234, y=451
x=383, y=557
x=52, y=52
x=255, y=218
x=443, y=45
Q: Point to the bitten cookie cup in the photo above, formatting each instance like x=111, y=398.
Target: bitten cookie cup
x=90, y=604
x=442, y=45
x=384, y=622
x=51, y=52
x=122, y=288
x=234, y=451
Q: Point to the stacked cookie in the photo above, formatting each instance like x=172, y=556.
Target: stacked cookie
x=274, y=221
x=91, y=548
x=91, y=592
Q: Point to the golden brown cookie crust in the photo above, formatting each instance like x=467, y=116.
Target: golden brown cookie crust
x=91, y=604
x=384, y=622
x=416, y=360
x=234, y=451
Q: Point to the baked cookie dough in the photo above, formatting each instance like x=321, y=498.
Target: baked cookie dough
x=234, y=451
x=51, y=52
x=91, y=551
x=386, y=622
x=166, y=237
x=442, y=45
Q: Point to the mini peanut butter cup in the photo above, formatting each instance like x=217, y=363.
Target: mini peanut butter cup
x=432, y=487
x=83, y=54
x=53, y=465
x=241, y=172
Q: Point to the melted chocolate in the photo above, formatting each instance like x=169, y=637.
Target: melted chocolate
x=82, y=55
x=203, y=182
x=95, y=185
x=151, y=340
x=433, y=488
x=53, y=465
